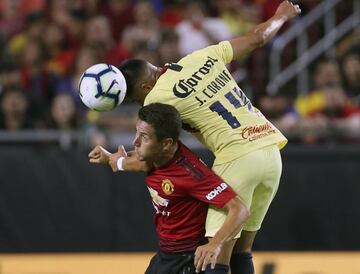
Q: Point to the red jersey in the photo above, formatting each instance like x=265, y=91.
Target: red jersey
x=181, y=192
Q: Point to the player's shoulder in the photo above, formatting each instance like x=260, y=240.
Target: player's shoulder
x=189, y=157
x=222, y=51
x=215, y=48
x=186, y=152
x=157, y=94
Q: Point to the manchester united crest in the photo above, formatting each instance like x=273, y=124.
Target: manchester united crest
x=167, y=186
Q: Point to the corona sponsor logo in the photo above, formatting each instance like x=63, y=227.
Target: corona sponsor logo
x=167, y=186
x=187, y=86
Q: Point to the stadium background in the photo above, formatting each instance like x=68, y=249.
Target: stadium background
x=59, y=214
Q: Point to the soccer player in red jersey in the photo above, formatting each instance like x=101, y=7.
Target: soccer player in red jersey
x=181, y=187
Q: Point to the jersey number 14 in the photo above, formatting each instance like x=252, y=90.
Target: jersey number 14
x=219, y=108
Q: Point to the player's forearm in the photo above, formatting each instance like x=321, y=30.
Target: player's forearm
x=134, y=165
x=267, y=30
x=264, y=32
x=236, y=216
x=256, y=37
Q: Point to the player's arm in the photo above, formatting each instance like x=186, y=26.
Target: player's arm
x=237, y=214
x=126, y=161
x=264, y=32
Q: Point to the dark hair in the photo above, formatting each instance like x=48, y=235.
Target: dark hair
x=132, y=70
x=12, y=89
x=165, y=120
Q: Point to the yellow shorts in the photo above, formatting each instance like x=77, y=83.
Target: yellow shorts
x=255, y=177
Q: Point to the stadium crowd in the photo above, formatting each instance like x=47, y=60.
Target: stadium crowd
x=45, y=46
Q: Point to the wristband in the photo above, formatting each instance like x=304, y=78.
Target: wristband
x=120, y=163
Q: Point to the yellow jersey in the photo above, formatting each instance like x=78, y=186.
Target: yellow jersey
x=212, y=106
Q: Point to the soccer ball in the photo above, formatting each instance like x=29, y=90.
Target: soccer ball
x=102, y=87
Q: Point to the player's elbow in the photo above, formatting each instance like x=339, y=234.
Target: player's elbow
x=256, y=39
x=240, y=209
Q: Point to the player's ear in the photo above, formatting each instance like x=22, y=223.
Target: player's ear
x=167, y=143
x=146, y=86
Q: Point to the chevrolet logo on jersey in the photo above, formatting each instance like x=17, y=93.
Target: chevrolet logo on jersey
x=186, y=86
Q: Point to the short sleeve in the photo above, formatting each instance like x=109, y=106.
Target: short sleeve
x=226, y=51
x=215, y=194
x=223, y=51
x=209, y=188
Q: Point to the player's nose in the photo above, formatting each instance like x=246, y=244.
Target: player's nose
x=136, y=141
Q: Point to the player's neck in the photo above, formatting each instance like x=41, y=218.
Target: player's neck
x=140, y=94
x=166, y=157
x=159, y=72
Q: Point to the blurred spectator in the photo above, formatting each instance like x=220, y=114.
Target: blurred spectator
x=9, y=71
x=326, y=75
x=351, y=70
x=11, y=19
x=197, y=30
x=350, y=43
x=36, y=80
x=76, y=27
x=9, y=75
x=59, y=11
x=46, y=45
x=268, y=7
x=146, y=28
x=59, y=55
x=172, y=13
x=13, y=110
x=35, y=25
x=145, y=52
x=96, y=137
x=30, y=6
x=98, y=35
x=85, y=58
x=120, y=14
x=169, y=51
x=63, y=113
x=280, y=112
x=92, y=7
x=238, y=17
x=327, y=108
x=123, y=118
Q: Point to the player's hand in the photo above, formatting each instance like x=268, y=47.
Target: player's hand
x=206, y=254
x=99, y=155
x=113, y=158
x=288, y=10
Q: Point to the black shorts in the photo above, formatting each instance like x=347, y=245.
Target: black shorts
x=176, y=263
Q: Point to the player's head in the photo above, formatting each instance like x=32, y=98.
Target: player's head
x=157, y=131
x=140, y=77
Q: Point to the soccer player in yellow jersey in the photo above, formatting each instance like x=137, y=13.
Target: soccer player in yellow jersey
x=212, y=106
